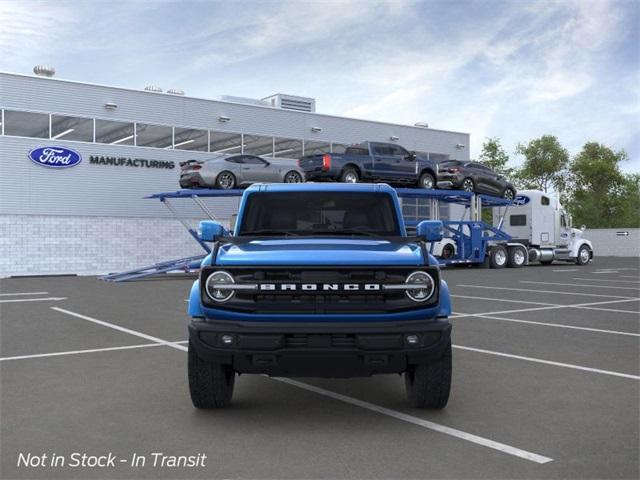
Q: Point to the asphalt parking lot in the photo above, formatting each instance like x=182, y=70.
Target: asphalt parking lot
x=545, y=385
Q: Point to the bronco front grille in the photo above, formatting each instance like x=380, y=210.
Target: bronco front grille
x=350, y=290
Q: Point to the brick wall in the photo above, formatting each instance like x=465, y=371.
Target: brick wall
x=45, y=245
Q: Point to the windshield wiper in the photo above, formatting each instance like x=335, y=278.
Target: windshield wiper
x=266, y=231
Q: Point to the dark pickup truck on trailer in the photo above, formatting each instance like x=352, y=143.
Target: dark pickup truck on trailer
x=372, y=162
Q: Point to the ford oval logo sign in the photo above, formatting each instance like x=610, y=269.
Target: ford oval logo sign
x=521, y=200
x=55, y=157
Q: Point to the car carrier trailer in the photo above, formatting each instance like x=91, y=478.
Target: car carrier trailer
x=469, y=241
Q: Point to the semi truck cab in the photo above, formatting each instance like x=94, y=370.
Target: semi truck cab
x=538, y=221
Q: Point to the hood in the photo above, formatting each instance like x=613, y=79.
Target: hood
x=325, y=251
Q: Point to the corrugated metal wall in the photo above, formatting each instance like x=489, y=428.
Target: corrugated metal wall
x=100, y=190
x=614, y=242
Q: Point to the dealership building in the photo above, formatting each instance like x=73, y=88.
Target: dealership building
x=93, y=217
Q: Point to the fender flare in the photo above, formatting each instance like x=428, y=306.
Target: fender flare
x=580, y=243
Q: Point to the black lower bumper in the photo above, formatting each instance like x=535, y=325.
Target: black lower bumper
x=335, y=350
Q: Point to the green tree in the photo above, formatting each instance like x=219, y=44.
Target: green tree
x=545, y=164
x=494, y=156
x=600, y=195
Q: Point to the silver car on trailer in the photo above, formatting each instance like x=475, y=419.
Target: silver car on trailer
x=234, y=171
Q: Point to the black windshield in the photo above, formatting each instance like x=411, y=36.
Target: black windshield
x=320, y=213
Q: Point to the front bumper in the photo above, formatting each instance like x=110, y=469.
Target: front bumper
x=334, y=350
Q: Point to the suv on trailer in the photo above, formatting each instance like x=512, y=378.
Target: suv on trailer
x=319, y=280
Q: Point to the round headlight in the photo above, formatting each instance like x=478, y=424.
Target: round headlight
x=219, y=286
x=425, y=286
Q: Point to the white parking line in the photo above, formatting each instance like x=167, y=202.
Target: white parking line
x=567, y=270
x=604, y=280
x=385, y=411
x=485, y=442
x=546, y=324
x=526, y=302
x=628, y=276
x=581, y=285
x=549, y=362
x=23, y=293
x=605, y=272
x=20, y=300
x=552, y=306
x=528, y=290
x=92, y=350
x=121, y=329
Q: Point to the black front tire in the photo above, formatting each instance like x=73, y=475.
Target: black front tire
x=584, y=255
x=428, y=384
x=210, y=384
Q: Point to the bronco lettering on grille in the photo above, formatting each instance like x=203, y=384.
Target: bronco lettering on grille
x=325, y=287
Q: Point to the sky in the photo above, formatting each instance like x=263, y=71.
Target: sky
x=509, y=69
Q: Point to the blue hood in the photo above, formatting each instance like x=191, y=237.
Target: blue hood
x=326, y=251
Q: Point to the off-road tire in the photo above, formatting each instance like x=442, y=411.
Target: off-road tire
x=223, y=175
x=210, y=383
x=428, y=384
x=499, y=257
x=349, y=173
x=513, y=260
x=427, y=178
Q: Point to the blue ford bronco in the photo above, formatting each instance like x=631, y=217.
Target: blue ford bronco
x=319, y=280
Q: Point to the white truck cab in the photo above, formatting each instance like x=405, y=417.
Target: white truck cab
x=538, y=221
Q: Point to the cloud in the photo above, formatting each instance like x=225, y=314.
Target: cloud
x=32, y=29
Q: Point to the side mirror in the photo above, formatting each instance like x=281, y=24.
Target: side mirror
x=583, y=228
x=430, y=230
x=211, y=231
x=412, y=156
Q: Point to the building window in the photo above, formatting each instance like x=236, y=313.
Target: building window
x=157, y=136
x=71, y=128
x=258, y=145
x=225, y=142
x=315, y=148
x=114, y=133
x=190, y=139
x=287, y=148
x=26, y=124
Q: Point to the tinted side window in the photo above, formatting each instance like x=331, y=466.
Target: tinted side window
x=253, y=160
x=356, y=151
x=382, y=150
x=518, y=220
x=237, y=159
x=399, y=151
x=544, y=201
